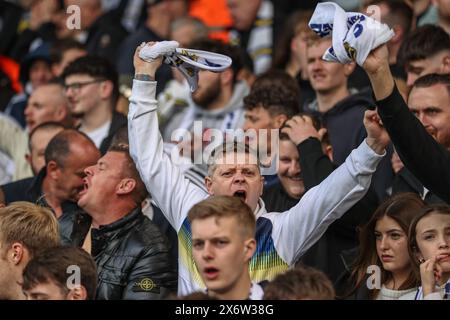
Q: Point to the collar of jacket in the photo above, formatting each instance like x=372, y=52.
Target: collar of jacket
x=123, y=223
x=107, y=233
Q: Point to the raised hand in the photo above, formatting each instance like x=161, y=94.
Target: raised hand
x=144, y=67
x=377, y=136
x=377, y=59
x=300, y=128
x=430, y=274
x=379, y=73
x=396, y=163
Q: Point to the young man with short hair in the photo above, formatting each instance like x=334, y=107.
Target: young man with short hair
x=25, y=231
x=91, y=85
x=273, y=99
x=426, y=50
x=223, y=242
x=52, y=275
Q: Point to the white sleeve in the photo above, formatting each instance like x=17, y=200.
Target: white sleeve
x=296, y=230
x=172, y=193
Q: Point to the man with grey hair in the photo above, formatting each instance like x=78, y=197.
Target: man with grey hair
x=26, y=230
x=282, y=237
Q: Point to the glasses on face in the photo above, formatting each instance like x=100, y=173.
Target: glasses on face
x=76, y=86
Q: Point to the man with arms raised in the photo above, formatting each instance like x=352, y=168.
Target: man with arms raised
x=282, y=237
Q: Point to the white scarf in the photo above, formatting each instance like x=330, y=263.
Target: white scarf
x=188, y=61
x=354, y=35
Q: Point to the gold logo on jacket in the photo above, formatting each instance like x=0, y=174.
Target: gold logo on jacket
x=146, y=284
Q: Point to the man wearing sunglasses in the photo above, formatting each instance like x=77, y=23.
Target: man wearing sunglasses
x=91, y=87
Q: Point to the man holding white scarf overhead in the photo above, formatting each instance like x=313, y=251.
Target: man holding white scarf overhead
x=282, y=237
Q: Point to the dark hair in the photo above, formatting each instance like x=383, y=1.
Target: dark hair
x=296, y=22
x=53, y=264
x=402, y=208
x=399, y=13
x=225, y=206
x=279, y=78
x=275, y=91
x=130, y=171
x=96, y=67
x=58, y=149
x=317, y=124
x=412, y=236
x=59, y=47
x=55, y=81
x=121, y=136
x=423, y=43
x=46, y=126
x=220, y=47
x=432, y=79
x=303, y=282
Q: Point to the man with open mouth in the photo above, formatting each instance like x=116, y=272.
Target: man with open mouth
x=233, y=171
x=223, y=242
x=131, y=254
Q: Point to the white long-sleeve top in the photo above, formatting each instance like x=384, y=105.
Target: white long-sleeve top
x=281, y=237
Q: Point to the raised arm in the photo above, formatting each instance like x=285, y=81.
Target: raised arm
x=316, y=167
x=408, y=135
x=173, y=194
x=379, y=73
x=296, y=230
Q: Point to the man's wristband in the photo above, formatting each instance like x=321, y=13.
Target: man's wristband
x=143, y=77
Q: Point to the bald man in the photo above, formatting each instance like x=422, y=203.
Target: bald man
x=47, y=103
x=58, y=184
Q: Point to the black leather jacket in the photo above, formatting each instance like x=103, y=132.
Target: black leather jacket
x=132, y=256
